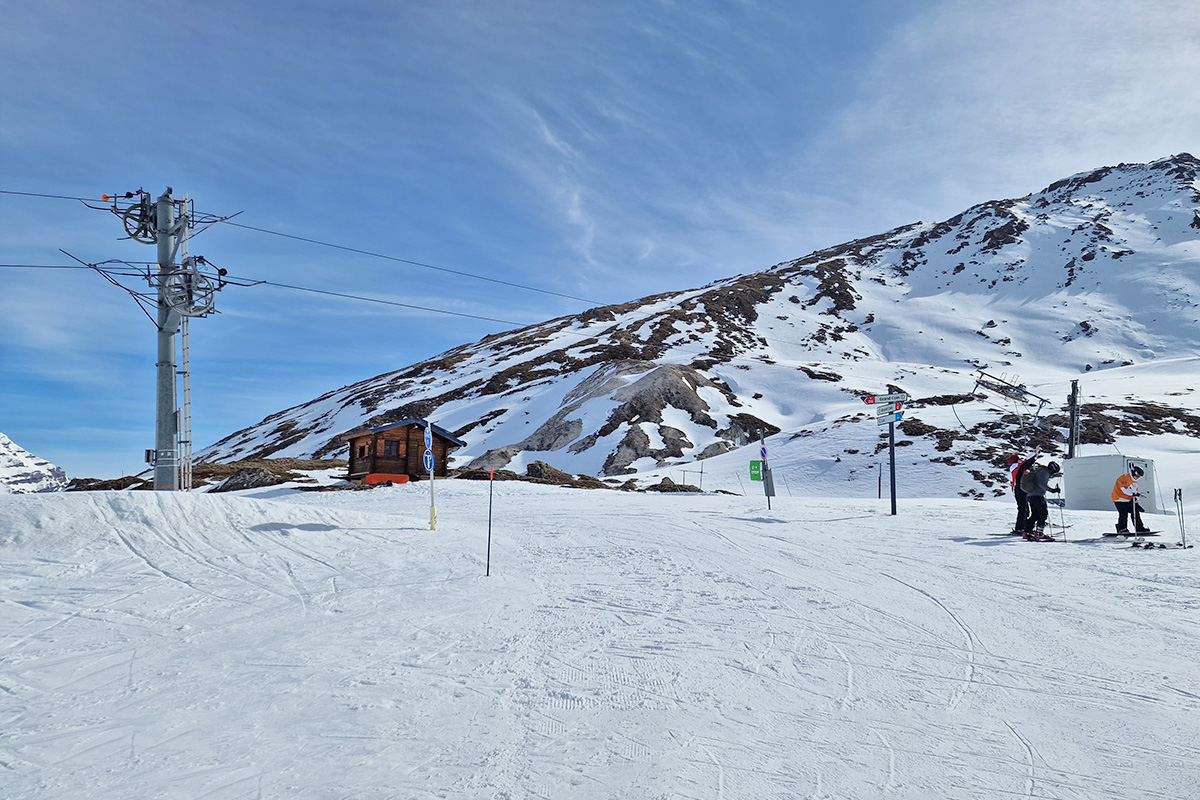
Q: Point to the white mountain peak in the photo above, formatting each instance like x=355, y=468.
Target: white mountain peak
x=22, y=472
x=1096, y=271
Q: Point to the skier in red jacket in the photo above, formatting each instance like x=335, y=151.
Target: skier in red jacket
x=1017, y=467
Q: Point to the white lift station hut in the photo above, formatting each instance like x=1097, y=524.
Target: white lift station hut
x=1088, y=482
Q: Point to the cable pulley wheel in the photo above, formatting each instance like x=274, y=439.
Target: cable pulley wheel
x=140, y=224
x=190, y=293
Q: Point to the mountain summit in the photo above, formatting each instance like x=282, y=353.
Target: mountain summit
x=22, y=472
x=1095, y=272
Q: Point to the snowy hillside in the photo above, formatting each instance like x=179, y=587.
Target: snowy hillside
x=327, y=645
x=1096, y=277
x=22, y=471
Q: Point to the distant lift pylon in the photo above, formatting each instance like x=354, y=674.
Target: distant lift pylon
x=183, y=291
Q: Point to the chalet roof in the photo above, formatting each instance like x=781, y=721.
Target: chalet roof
x=437, y=431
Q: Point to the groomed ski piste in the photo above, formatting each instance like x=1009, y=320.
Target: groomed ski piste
x=285, y=644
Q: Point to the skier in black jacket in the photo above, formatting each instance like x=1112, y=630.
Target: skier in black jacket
x=1038, y=481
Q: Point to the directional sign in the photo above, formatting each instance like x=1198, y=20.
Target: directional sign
x=429, y=461
x=428, y=437
x=883, y=409
x=756, y=470
x=885, y=419
x=898, y=397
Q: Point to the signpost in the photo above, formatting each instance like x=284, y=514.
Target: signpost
x=764, y=471
x=429, y=468
x=889, y=411
x=491, y=484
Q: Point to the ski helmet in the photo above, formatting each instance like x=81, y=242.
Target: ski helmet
x=1054, y=468
x=1136, y=472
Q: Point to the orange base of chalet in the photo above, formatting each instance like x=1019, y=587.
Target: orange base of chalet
x=383, y=477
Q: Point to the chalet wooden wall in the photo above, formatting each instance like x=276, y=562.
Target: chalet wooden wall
x=398, y=451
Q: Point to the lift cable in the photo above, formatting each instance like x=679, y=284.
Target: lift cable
x=209, y=220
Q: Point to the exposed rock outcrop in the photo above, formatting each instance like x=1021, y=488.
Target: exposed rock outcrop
x=248, y=478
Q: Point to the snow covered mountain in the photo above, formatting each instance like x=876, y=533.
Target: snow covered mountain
x=21, y=471
x=1096, y=277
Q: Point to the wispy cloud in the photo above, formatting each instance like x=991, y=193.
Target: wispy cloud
x=606, y=151
x=972, y=100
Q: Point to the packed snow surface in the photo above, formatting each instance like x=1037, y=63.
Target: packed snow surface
x=280, y=644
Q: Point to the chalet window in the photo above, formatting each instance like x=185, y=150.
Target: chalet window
x=362, y=451
x=391, y=449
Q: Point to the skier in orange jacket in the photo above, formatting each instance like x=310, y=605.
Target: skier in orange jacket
x=1124, y=497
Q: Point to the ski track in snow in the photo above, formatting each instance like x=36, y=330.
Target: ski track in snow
x=957, y=696
x=625, y=646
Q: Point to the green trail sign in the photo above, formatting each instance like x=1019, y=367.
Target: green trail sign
x=756, y=471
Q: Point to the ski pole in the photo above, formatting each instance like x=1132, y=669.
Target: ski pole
x=1182, y=528
x=1062, y=519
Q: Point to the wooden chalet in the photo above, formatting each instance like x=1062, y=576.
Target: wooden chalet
x=396, y=452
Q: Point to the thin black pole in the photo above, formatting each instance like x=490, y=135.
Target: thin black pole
x=1137, y=520
x=892, y=457
x=491, y=486
x=766, y=471
x=1182, y=529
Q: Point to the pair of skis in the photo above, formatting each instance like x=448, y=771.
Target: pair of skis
x=1043, y=535
x=1139, y=541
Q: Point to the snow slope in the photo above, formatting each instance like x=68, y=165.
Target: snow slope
x=327, y=645
x=1093, y=274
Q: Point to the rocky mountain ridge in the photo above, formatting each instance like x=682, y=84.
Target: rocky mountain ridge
x=22, y=472
x=1095, y=272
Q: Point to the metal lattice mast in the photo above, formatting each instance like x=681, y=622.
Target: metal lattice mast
x=1073, y=406
x=185, y=414
x=185, y=374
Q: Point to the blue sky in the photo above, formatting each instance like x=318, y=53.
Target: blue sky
x=604, y=151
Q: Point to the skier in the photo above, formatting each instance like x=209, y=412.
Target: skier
x=1037, y=482
x=1124, y=497
x=1018, y=466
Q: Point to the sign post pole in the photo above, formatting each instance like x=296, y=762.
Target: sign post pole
x=768, y=481
x=429, y=467
x=889, y=411
x=892, y=460
x=491, y=485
